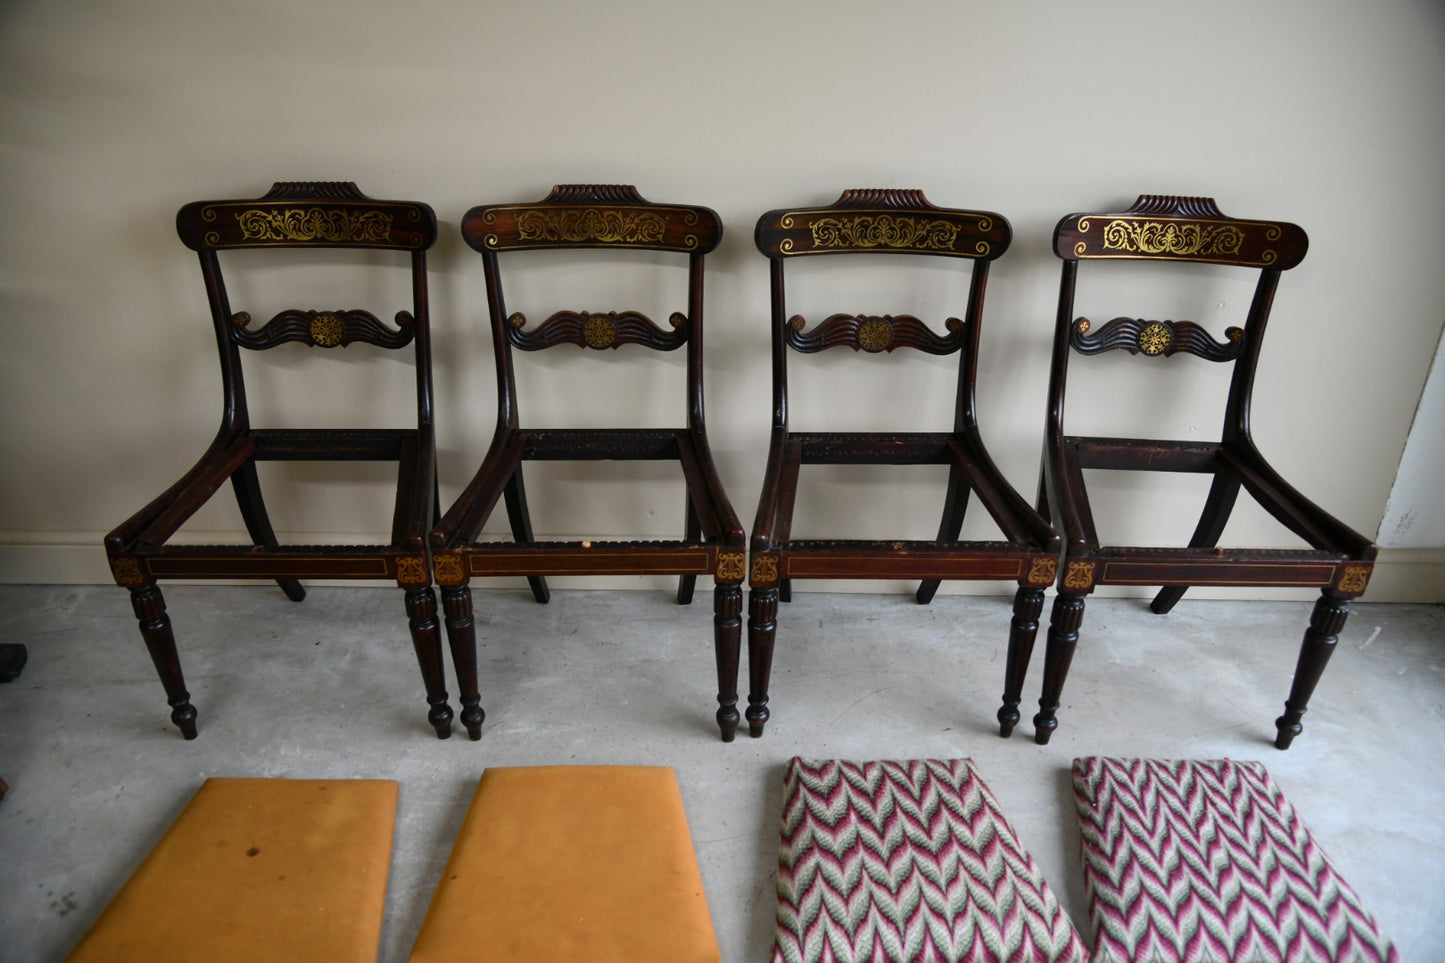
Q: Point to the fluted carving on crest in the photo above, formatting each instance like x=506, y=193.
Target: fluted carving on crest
x=878, y=197
x=594, y=194
x=314, y=191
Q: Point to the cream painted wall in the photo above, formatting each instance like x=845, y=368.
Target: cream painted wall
x=113, y=115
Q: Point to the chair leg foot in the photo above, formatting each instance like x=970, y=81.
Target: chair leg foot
x=155, y=628
x=762, y=629
x=461, y=636
x=1319, y=644
x=727, y=647
x=1064, y=622
x=1023, y=629
x=421, y=610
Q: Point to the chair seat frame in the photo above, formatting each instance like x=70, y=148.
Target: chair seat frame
x=891, y=222
x=295, y=216
x=597, y=217
x=1337, y=560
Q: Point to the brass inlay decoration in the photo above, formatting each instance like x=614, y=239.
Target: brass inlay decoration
x=599, y=331
x=883, y=230
x=765, y=569
x=411, y=570
x=731, y=566
x=315, y=224
x=1083, y=324
x=1355, y=579
x=609, y=225
x=875, y=335
x=127, y=572
x=326, y=330
x=1042, y=571
x=1080, y=576
x=1155, y=338
x=1168, y=237
x=449, y=570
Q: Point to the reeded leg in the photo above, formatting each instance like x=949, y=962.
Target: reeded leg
x=1028, y=603
x=692, y=531
x=762, y=627
x=954, y=505
x=1064, y=622
x=727, y=645
x=1319, y=643
x=1222, y=494
x=520, y=518
x=155, y=628
x=461, y=635
x=426, y=638
x=258, y=524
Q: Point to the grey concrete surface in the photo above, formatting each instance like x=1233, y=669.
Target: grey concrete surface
x=329, y=688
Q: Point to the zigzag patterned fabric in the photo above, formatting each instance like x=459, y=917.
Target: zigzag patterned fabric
x=908, y=862
x=1193, y=860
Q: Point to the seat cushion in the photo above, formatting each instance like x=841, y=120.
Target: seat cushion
x=571, y=863
x=1196, y=860
x=908, y=861
x=258, y=869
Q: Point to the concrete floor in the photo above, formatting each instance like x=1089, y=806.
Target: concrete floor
x=329, y=688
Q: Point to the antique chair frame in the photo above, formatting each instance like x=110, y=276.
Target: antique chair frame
x=1185, y=230
x=296, y=216
x=890, y=222
x=580, y=217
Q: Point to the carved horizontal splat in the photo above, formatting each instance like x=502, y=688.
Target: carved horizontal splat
x=874, y=333
x=1180, y=228
x=883, y=221
x=307, y=214
x=588, y=329
x=323, y=329
x=592, y=215
x=1136, y=335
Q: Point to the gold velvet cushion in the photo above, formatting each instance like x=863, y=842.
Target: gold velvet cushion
x=258, y=869
x=557, y=863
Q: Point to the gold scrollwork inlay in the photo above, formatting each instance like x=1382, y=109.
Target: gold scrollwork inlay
x=1155, y=338
x=448, y=569
x=1161, y=237
x=609, y=225
x=875, y=335
x=411, y=570
x=315, y=224
x=326, y=330
x=1355, y=579
x=1080, y=576
x=1042, y=571
x=127, y=572
x=731, y=566
x=765, y=569
x=599, y=331
x=884, y=230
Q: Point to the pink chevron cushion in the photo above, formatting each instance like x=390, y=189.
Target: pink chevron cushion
x=908, y=861
x=1193, y=860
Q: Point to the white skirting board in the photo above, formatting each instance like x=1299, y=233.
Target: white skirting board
x=78, y=558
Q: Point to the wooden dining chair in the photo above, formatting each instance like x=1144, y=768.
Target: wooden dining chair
x=890, y=223
x=1184, y=231
x=586, y=219
x=295, y=219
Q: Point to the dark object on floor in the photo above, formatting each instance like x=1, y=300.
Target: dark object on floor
x=292, y=222
x=582, y=221
x=1183, y=235
x=12, y=660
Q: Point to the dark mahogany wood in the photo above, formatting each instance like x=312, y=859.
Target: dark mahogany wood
x=600, y=217
x=296, y=216
x=897, y=223
x=1336, y=559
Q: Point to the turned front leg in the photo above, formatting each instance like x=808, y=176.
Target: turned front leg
x=461, y=635
x=1023, y=629
x=1319, y=643
x=1064, y=622
x=155, y=628
x=426, y=639
x=727, y=644
x=762, y=627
